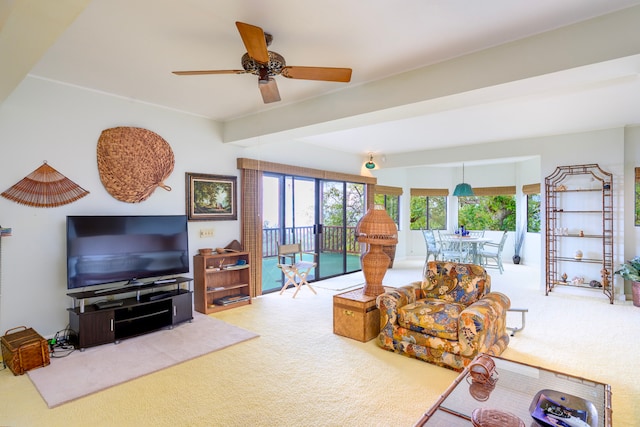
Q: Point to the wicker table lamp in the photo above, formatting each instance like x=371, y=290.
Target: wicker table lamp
x=377, y=229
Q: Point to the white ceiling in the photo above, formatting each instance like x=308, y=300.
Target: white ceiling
x=129, y=48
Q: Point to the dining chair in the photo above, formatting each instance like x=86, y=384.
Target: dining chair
x=476, y=233
x=452, y=249
x=491, y=253
x=479, y=234
x=433, y=248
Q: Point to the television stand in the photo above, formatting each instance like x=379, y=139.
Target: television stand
x=163, y=306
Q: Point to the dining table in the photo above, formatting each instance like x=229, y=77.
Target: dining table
x=472, y=244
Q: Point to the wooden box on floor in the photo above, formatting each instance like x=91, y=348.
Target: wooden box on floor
x=24, y=349
x=355, y=315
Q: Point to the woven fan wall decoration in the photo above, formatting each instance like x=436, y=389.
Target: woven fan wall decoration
x=133, y=162
x=45, y=187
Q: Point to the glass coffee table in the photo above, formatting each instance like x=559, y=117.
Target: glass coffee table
x=516, y=387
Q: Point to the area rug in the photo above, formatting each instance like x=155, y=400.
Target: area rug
x=85, y=372
x=341, y=283
x=339, y=286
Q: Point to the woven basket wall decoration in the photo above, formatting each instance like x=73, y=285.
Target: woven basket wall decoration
x=133, y=162
x=45, y=187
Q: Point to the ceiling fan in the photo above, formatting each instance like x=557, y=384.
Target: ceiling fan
x=266, y=64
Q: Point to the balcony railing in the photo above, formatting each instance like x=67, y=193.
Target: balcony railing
x=332, y=239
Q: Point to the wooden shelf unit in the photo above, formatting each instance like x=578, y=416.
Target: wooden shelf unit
x=579, y=216
x=212, y=282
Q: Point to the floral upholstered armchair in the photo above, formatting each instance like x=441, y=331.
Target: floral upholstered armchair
x=447, y=319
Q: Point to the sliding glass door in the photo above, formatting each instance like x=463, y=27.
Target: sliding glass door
x=319, y=214
x=288, y=211
x=341, y=207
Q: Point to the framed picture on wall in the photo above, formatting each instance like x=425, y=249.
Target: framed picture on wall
x=637, y=196
x=211, y=197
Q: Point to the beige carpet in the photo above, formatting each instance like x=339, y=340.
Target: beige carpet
x=97, y=368
x=300, y=374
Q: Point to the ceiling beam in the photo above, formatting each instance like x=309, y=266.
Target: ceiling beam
x=605, y=38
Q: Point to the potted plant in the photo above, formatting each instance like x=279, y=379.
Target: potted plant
x=518, y=241
x=630, y=270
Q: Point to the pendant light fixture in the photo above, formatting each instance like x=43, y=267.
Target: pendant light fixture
x=463, y=189
x=370, y=164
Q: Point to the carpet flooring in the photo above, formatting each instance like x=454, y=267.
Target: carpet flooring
x=85, y=372
x=298, y=373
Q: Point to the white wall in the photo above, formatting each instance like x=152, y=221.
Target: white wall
x=42, y=120
x=514, y=173
x=61, y=124
x=606, y=148
x=615, y=150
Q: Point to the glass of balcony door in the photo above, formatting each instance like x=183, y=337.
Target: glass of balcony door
x=320, y=215
x=340, y=208
x=289, y=212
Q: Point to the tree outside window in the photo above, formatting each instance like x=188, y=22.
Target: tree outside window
x=487, y=212
x=391, y=204
x=428, y=212
x=533, y=213
x=333, y=201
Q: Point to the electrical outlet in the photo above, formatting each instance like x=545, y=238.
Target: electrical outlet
x=206, y=232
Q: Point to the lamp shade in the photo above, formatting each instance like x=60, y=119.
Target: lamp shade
x=463, y=190
x=377, y=227
x=370, y=164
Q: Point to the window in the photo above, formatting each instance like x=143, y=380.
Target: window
x=533, y=213
x=487, y=212
x=436, y=213
x=391, y=205
x=492, y=208
x=389, y=197
x=533, y=207
x=428, y=208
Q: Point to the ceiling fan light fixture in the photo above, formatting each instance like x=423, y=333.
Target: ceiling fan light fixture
x=370, y=164
x=273, y=67
x=263, y=76
x=266, y=64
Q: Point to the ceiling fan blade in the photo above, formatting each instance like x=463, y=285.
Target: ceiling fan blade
x=269, y=91
x=255, y=42
x=195, y=73
x=318, y=73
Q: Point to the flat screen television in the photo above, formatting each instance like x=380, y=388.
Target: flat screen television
x=109, y=249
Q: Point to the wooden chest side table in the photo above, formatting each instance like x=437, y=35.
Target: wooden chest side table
x=355, y=315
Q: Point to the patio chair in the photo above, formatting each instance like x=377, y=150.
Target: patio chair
x=493, y=252
x=295, y=269
x=432, y=245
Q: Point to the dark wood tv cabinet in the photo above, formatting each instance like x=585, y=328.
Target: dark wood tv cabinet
x=139, y=310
